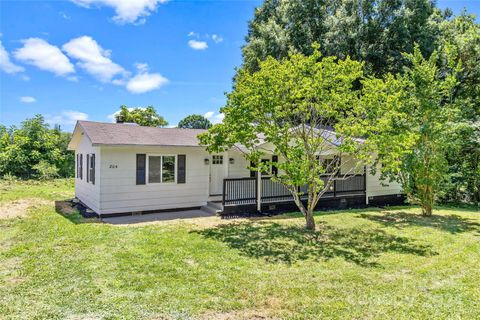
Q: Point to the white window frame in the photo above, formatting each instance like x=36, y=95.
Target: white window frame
x=89, y=167
x=219, y=156
x=161, y=168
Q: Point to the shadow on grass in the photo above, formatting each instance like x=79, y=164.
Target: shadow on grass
x=449, y=223
x=319, y=213
x=462, y=207
x=69, y=212
x=289, y=244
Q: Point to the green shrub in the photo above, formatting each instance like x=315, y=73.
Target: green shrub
x=45, y=170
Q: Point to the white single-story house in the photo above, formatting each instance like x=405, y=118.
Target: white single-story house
x=127, y=168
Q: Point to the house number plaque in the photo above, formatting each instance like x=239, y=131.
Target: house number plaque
x=113, y=166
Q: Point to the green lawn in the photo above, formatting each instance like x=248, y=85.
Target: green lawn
x=361, y=264
x=49, y=190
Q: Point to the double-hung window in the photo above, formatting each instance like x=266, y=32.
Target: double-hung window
x=91, y=168
x=162, y=168
x=79, y=166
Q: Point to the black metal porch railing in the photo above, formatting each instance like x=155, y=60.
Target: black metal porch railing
x=239, y=191
x=242, y=191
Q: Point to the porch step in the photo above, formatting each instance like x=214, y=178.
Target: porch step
x=217, y=205
x=212, y=207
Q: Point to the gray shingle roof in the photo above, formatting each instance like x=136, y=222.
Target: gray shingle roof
x=101, y=133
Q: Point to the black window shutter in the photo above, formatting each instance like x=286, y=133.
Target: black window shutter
x=274, y=167
x=81, y=166
x=141, y=168
x=88, y=167
x=181, y=168
x=253, y=173
x=92, y=177
x=78, y=164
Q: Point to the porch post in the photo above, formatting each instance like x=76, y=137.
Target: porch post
x=259, y=190
x=365, y=183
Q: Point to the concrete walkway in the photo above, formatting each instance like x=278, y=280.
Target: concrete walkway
x=160, y=216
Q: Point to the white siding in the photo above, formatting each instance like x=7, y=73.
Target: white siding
x=376, y=187
x=239, y=169
x=350, y=165
x=88, y=192
x=120, y=193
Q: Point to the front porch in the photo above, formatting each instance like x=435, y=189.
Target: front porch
x=241, y=195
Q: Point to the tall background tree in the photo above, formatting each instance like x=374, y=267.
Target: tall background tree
x=195, y=121
x=460, y=37
x=375, y=32
x=143, y=116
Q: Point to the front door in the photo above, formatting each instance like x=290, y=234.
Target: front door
x=216, y=174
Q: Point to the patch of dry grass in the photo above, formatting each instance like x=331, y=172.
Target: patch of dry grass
x=20, y=208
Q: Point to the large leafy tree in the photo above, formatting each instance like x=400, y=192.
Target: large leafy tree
x=195, y=121
x=460, y=37
x=35, y=150
x=373, y=31
x=143, y=116
x=410, y=122
x=290, y=103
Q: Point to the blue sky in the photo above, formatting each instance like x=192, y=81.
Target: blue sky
x=82, y=59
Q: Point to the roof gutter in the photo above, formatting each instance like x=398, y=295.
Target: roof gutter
x=144, y=145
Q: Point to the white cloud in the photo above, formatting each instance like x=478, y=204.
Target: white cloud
x=119, y=82
x=142, y=67
x=72, y=78
x=209, y=114
x=93, y=58
x=38, y=52
x=127, y=11
x=64, y=15
x=111, y=117
x=27, y=99
x=216, y=38
x=5, y=63
x=197, y=45
x=193, y=34
x=89, y=56
x=66, y=117
x=214, y=118
x=144, y=81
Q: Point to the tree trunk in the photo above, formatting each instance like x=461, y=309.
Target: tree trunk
x=310, y=222
x=427, y=199
x=426, y=210
x=307, y=213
